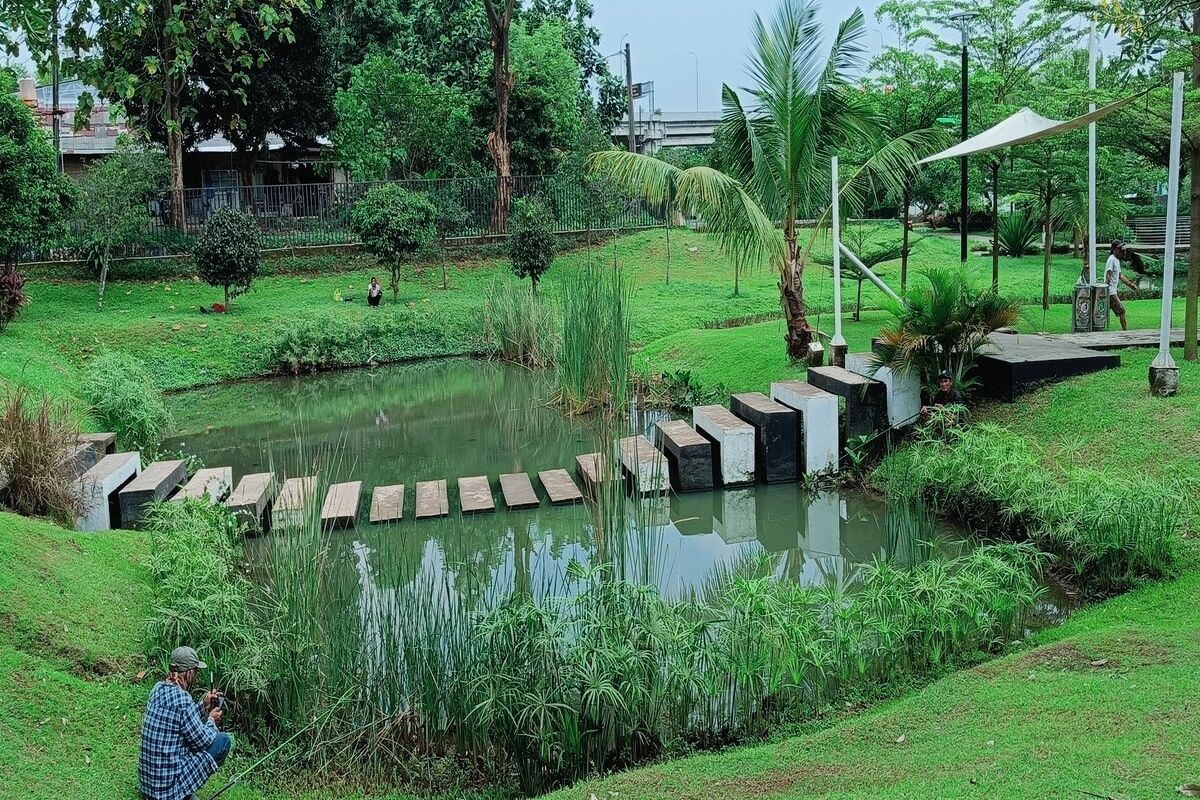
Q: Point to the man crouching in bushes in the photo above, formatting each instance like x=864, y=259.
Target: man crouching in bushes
x=181, y=746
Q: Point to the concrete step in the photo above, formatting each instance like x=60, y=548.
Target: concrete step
x=775, y=435
x=518, y=491
x=432, y=500
x=99, y=489
x=733, y=443
x=559, y=487
x=592, y=470
x=251, y=501
x=475, y=495
x=211, y=482
x=817, y=411
x=340, y=509
x=387, y=503
x=644, y=465
x=689, y=456
x=292, y=504
x=156, y=482
x=903, y=390
x=866, y=399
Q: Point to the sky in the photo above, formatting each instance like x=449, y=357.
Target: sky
x=664, y=33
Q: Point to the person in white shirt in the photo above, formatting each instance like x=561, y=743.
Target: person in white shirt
x=374, y=292
x=1113, y=278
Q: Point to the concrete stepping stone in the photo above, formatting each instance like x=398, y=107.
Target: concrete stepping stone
x=737, y=518
x=733, y=443
x=817, y=410
x=518, y=491
x=99, y=487
x=903, y=391
x=475, y=495
x=103, y=443
x=156, y=482
x=775, y=433
x=210, y=482
x=292, y=503
x=689, y=456
x=432, y=500
x=83, y=457
x=251, y=501
x=340, y=509
x=592, y=470
x=644, y=464
x=559, y=487
x=866, y=399
x=387, y=503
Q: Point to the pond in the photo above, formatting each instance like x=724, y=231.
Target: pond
x=458, y=418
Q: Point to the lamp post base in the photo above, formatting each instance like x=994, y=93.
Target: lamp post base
x=1164, y=381
x=816, y=354
x=837, y=354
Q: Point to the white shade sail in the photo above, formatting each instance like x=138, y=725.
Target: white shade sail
x=1022, y=127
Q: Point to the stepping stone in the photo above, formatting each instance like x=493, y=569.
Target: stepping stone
x=823, y=524
x=689, y=456
x=592, y=470
x=559, y=487
x=775, y=429
x=103, y=443
x=211, y=482
x=251, y=501
x=817, y=410
x=737, y=518
x=83, y=457
x=291, y=506
x=866, y=399
x=644, y=465
x=340, y=508
x=387, y=503
x=518, y=491
x=156, y=482
x=903, y=391
x=99, y=487
x=733, y=443
x=432, y=500
x=475, y=495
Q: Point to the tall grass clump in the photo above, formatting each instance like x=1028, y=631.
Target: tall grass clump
x=38, y=443
x=521, y=325
x=1109, y=530
x=593, y=355
x=125, y=399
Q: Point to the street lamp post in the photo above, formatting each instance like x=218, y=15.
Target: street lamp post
x=963, y=19
x=697, y=59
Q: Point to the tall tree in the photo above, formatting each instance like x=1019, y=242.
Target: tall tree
x=500, y=24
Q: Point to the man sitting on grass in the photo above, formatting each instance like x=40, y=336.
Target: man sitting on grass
x=181, y=746
x=946, y=395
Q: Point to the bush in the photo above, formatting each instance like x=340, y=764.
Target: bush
x=394, y=224
x=227, y=253
x=125, y=399
x=1017, y=233
x=531, y=242
x=37, y=450
x=521, y=326
x=12, y=295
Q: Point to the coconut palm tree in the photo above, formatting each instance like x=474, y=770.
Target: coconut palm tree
x=804, y=107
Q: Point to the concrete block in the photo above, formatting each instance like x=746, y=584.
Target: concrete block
x=156, y=482
x=211, y=482
x=775, y=435
x=340, y=509
x=291, y=508
x=817, y=412
x=251, y=501
x=644, y=465
x=902, y=390
x=866, y=399
x=689, y=456
x=733, y=443
x=99, y=488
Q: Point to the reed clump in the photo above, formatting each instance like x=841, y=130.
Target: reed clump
x=522, y=326
x=38, y=471
x=593, y=355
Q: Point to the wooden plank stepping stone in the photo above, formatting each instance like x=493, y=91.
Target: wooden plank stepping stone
x=293, y=500
x=432, y=500
x=775, y=430
x=559, y=487
x=689, y=456
x=387, y=503
x=340, y=508
x=251, y=500
x=99, y=487
x=592, y=470
x=518, y=491
x=156, y=482
x=818, y=418
x=644, y=464
x=210, y=482
x=733, y=443
x=475, y=495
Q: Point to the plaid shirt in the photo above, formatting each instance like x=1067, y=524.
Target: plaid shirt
x=176, y=735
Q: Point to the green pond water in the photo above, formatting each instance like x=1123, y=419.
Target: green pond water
x=458, y=418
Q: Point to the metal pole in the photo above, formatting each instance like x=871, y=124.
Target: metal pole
x=835, y=230
x=697, y=59
x=1092, y=157
x=1164, y=358
x=964, y=210
x=56, y=120
x=629, y=93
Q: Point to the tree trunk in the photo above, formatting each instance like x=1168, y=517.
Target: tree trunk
x=995, y=225
x=500, y=20
x=173, y=110
x=395, y=284
x=905, y=202
x=791, y=297
x=227, y=297
x=1193, y=284
x=104, y=256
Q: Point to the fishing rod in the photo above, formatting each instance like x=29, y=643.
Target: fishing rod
x=271, y=753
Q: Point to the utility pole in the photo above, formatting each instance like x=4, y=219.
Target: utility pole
x=629, y=97
x=56, y=112
x=963, y=18
x=697, y=59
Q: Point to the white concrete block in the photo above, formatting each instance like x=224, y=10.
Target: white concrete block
x=818, y=423
x=99, y=483
x=734, y=439
x=738, y=522
x=644, y=463
x=903, y=389
x=823, y=525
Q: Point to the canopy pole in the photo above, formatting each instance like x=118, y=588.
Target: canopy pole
x=838, y=344
x=871, y=276
x=1164, y=375
x=1091, y=254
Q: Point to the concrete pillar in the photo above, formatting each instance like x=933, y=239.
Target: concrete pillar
x=817, y=412
x=775, y=435
x=689, y=456
x=733, y=443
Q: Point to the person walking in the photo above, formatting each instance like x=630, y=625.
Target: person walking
x=181, y=746
x=374, y=292
x=1113, y=279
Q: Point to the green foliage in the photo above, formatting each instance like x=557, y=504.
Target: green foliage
x=396, y=124
x=125, y=399
x=1017, y=233
x=521, y=326
x=394, y=224
x=593, y=359
x=227, y=252
x=38, y=441
x=531, y=240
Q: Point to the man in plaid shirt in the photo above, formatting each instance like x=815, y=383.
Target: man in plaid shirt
x=181, y=746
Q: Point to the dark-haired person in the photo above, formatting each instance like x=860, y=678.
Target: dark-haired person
x=181, y=746
x=1113, y=279
x=374, y=292
x=946, y=395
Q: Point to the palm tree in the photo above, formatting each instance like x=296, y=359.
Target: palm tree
x=804, y=108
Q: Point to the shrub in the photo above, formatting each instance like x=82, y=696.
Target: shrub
x=12, y=295
x=531, y=242
x=38, y=439
x=1017, y=233
x=522, y=327
x=227, y=252
x=125, y=399
x=394, y=224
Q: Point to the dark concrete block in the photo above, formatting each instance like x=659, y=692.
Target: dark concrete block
x=155, y=483
x=866, y=399
x=689, y=456
x=775, y=440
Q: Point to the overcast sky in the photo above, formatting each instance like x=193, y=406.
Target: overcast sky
x=664, y=33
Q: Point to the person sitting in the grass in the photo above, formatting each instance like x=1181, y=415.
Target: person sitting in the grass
x=374, y=292
x=181, y=746
x=946, y=395
x=1113, y=278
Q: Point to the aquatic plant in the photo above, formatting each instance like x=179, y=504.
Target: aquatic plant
x=125, y=399
x=593, y=355
x=522, y=326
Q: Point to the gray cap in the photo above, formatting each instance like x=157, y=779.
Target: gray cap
x=185, y=658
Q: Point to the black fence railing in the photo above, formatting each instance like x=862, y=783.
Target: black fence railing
x=318, y=214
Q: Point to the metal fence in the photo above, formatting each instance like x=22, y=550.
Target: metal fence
x=318, y=214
